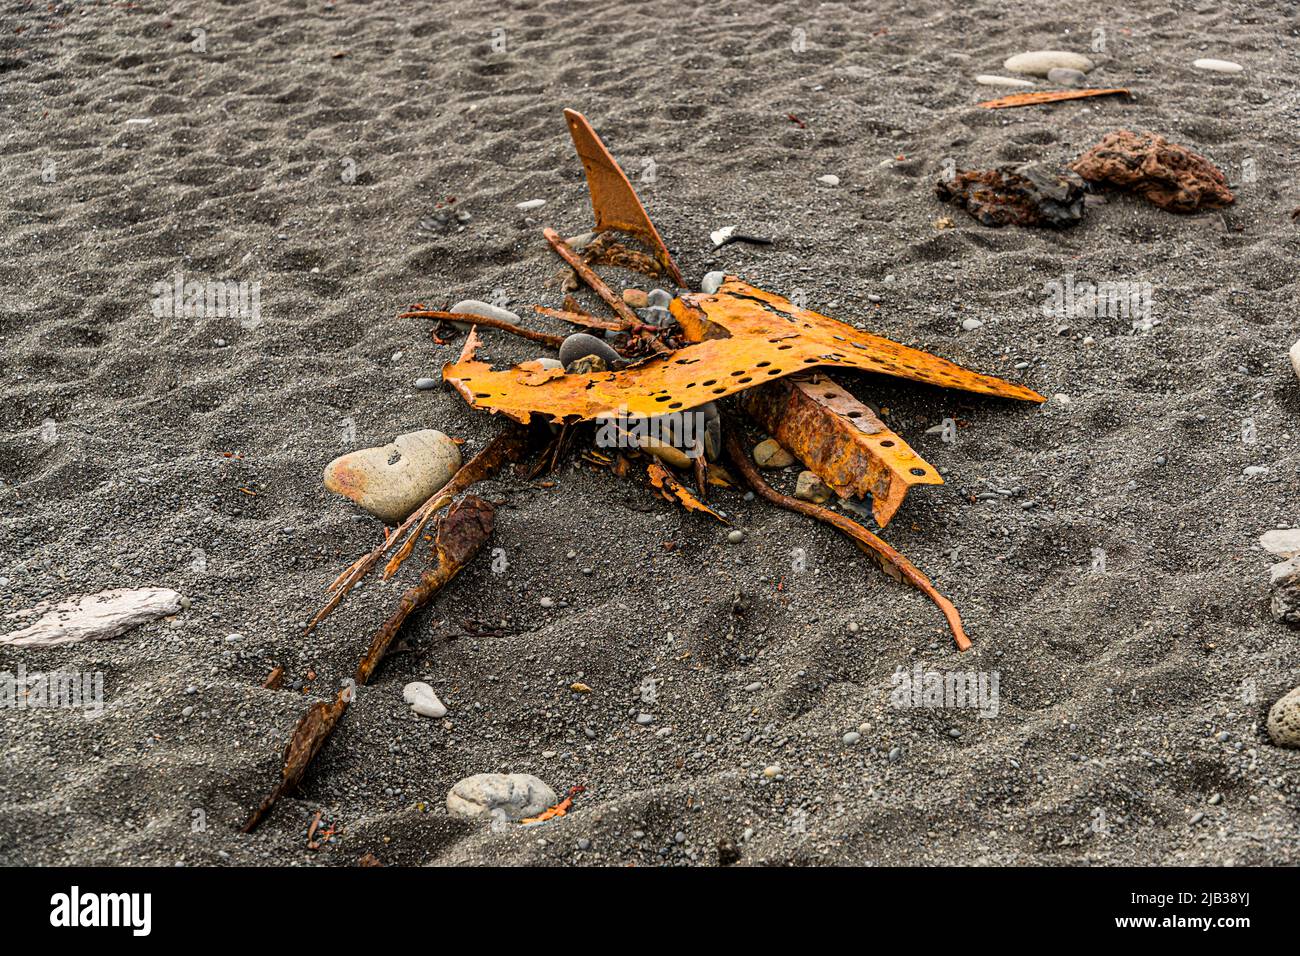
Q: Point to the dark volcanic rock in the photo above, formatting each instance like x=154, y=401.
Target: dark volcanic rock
x=1024, y=195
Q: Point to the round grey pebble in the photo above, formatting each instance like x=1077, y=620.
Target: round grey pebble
x=735, y=536
x=852, y=737
x=424, y=384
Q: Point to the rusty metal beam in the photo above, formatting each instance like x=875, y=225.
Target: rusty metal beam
x=841, y=440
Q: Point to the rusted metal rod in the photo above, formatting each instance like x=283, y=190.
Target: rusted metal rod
x=864, y=538
x=545, y=338
x=585, y=273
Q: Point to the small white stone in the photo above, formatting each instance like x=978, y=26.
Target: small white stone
x=530, y=204
x=1218, y=66
x=1295, y=358
x=829, y=179
x=712, y=282
x=1062, y=398
x=423, y=700
x=970, y=325
x=1039, y=62
x=1251, y=471
x=1008, y=82
x=720, y=236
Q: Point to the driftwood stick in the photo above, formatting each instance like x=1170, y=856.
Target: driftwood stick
x=585, y=273
x=864, y=538
x=462, y=531
x=545, y=338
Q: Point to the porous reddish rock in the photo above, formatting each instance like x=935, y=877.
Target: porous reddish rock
x=1171, y=176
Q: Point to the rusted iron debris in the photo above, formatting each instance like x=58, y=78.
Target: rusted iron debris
x=701, y=348
x=735, y=339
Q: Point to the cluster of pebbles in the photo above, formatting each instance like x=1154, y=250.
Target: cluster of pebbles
x=1063, y=68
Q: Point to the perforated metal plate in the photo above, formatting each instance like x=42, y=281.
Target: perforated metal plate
x=742, y=337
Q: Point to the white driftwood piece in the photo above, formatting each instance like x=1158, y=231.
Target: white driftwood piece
x=91, y=617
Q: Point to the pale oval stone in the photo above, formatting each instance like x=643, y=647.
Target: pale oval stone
x=1009, y=82
x=1295, y=358
x=530, y=204
x=712, y=282
x=770, y=454
x=423, y=700
x=1284, y=720
x=515, y=795
x=1039, y=62
x=1217, y=66
x=486, y=309
x=391, y=481
x=1284, y=542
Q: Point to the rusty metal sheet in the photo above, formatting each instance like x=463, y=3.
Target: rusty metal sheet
x=841, y=440
x=741, y=337
x=613, y=200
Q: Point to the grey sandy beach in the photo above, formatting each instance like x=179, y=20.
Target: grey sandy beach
x=345, y=160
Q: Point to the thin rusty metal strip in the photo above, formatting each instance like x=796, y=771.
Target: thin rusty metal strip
x=1047, y=96
x=890, y=558
x=666, y=483
x=585, y=273
x=841, y=440
x=742, y=337
x=613, y=200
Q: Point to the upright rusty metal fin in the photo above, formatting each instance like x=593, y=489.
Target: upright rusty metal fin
x=613, y=200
